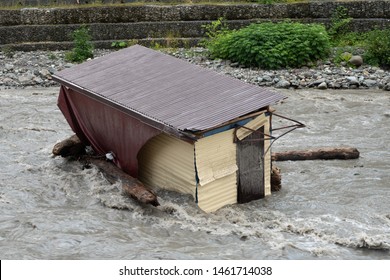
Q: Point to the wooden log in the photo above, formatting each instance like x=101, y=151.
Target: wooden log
x=276, y=179
x=321, y=153
x=130, y=186
x=71, y=146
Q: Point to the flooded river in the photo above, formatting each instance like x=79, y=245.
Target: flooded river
x=54, y=209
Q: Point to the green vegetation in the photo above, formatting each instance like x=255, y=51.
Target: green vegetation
x=215, y=29
x=266, y=45
x=339, y=24
x=343, y=55
x=83, y=47
x=375, y=45
x=286, y=44
x=119, y=44
x=171, y=39
x=156, y=45
x=8, y=51
x=124, y=44
x=271, y=45
x=52, y=56
x=378, y=48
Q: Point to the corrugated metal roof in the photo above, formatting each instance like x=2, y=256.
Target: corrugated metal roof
x=166, y=90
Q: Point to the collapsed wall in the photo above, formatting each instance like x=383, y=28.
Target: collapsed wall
x=51, y=28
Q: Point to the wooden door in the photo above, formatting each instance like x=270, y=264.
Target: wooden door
x=250, y=163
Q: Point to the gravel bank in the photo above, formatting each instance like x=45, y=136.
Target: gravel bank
x=34, y=69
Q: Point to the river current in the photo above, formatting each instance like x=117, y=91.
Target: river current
x=52, y=208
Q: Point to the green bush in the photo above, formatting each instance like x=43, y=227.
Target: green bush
x=272, y=45
x=119, y=44
x=378, y=48
x=342, y=55
x=83, y=47
x=340, y=22
x=213, y=30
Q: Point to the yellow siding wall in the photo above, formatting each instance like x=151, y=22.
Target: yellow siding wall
x=254, y=125
x=218, y=193
x=267, y=160
x=167, y=162
x=217, y=171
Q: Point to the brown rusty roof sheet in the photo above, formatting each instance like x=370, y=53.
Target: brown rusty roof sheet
x=165, y=89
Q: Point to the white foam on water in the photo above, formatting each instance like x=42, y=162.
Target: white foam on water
x=53, y=208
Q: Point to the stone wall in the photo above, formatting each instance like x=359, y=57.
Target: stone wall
x=29, y=3
x=50, y=28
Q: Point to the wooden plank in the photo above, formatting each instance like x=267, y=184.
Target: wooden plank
x=71, y=146
x=251, y=168
x=130, y=186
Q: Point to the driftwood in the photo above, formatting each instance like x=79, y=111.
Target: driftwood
x=276, y=179
x=130, y=186
x=69, y=147
x=321, y=153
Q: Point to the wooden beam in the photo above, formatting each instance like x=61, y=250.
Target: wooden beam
x=320, y=153
x=276, y=179
x=130, y=186
x=73, y=147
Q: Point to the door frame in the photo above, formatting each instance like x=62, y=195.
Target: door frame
x=251, y=148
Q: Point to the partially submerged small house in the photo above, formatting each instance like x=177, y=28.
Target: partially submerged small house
x=172, y=124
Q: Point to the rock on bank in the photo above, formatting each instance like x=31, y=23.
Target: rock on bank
x=34, y=69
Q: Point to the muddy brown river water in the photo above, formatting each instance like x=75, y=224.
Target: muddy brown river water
x=53, y=209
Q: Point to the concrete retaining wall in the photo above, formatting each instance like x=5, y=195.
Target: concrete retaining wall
x=32, y=28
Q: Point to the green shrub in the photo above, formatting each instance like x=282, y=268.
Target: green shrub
x=350, y=39
x=343, y=55
x=214, y=29
x=339, y=23
x=119, y=44
x=272, y=45
x=83, y=47
x=378, y=48
x=124, y=44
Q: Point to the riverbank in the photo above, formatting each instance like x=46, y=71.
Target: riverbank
x=34, y=69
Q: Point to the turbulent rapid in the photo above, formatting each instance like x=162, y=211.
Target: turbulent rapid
x=53, y=208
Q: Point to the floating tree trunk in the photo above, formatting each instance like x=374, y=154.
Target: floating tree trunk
x=71, y=146
x=321, y=153
x=130, y=186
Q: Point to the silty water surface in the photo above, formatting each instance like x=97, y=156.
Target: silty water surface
x=52, y=208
